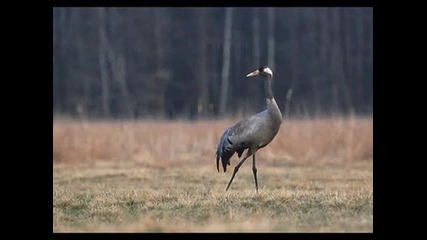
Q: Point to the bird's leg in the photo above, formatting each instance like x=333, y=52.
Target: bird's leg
x=255, y=171
x=237, y=168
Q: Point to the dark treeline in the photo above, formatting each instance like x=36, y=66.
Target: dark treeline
x=192, y=62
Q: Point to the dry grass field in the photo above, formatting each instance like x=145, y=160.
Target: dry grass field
x=160, y=176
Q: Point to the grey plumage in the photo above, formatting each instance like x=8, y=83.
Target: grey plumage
x=252, y=133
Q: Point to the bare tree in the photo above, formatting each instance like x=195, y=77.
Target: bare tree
x=118, y=63
x=333, y=58
x=120, y=77
x=59, y=81
x=271, y=40
x=203, y=97
x=338, y=60
x=293, y=50
x=83, y=104
x=226, y=61
x=252, y=89
x=158, y=36
x=256, y=53
x=312, y=33
x=112, y=64
x=288, y=102
x=161, y=75
x=103, y=52
x=360, y=43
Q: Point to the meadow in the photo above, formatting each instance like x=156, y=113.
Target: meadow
x=161, y=176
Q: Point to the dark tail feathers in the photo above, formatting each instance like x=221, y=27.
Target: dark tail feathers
x=225, y=150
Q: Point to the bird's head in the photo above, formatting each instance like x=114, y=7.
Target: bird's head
x=264, y=71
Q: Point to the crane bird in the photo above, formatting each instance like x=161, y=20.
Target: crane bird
x=252, y=133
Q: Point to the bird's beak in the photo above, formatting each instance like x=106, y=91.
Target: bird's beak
x=254, y=73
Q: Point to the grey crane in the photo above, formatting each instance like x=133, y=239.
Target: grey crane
x=252, y=133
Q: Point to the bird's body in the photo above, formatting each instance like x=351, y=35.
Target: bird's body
x=252, y=133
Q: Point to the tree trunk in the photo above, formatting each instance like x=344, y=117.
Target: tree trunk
x=161, y=75
x=293, y=52
x=226, y=61
x=256, y=54
x=58, y=70
x=325, y=58
x=288, y=102
x=83, y=105
x=117, y=62
x=120, y=78
x=253, y=102
x=333, y=60
x=271, y=40
x=105, y=83
x=347, y=43
x=357, y=56
x=203, y=97
x=342, y=63
x=158, y=36
x=312, y=37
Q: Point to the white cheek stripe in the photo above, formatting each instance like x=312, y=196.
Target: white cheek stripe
x=268, y=70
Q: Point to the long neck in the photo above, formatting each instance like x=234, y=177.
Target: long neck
x=271, y=103
x=268, y=91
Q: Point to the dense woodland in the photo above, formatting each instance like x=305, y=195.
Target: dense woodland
x=191, y=62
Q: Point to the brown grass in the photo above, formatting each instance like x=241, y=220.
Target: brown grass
x=163, y=143
x=160, y=176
